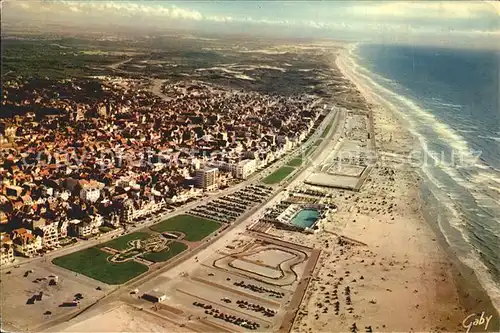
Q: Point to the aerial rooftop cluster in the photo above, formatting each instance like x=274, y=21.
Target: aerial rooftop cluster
x=81, y=153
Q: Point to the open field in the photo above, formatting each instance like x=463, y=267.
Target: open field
x=125, y=319
x=173, y=249
x=17, y=288
x=194, y=228
x=121, y=243
x=296, y=162
x=93, y=263
x=279, y=175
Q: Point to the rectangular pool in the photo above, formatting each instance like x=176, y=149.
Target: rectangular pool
x=305, y=218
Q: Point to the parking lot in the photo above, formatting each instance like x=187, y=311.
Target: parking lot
x=230, y=207
x=214, y=299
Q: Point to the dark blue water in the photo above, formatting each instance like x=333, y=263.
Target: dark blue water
x=450, y=99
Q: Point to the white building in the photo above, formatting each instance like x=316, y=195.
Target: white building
x=64, y=195
x=207, y=178
x=83, y=228
x=90, y=194
x=25, y=243
x=185, y=195
x=63, y=228
x=245, y=168
x=90, y=190
x=50, y=234
x=241, y=169
x=6, y=250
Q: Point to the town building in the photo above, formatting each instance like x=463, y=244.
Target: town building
x=90, y=191
x=25, y=243
x=63, y=228
x=6, y=249
x=207, y=178
x=48, y=231
x=245, y=168
x=240, y=170
x=154, y=296
x=86, y=227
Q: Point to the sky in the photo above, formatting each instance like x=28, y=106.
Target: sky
x=460, y=22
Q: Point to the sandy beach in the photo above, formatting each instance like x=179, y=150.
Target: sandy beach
x=400, y=280
x=386, y=272
x=123, y=318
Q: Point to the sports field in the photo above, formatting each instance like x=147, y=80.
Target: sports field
x=295, y=162
x=278, y=175
x=194, y=228
x=93, y=263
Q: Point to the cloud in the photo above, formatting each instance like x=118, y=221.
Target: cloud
x=427, y=9
x=152, y=11
x=112, y=8
x=328, y=19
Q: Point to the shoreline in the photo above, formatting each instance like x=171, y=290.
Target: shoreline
x=472, y=294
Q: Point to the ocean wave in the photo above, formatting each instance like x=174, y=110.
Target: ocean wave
x=441, y=103
x=451, y=105
x=444, y=131
x=471, y=188
x=494, y=138
x=487, y=176
x=473, y=260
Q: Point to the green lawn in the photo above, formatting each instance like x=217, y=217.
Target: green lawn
x=325, y=132
x=296, y=162
x=105, y=229
x=278, y=175
x=174, y=249
x=195, y=228
x=93, y=263
x=121, y=243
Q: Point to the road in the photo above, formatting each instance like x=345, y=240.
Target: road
x=188, y=261
x=80, y=245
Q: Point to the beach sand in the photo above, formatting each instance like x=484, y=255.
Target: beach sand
x=400, y=280
x=123, y=318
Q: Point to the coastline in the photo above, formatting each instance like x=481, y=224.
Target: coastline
x=401, y=279
x=472, y=296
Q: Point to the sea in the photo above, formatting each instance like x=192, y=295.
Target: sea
x=450, y=101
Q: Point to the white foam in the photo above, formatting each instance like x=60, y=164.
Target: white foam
x=495, y=138
x=442, y=130
x=453, y=106
x=421, y=117
x=482, y=272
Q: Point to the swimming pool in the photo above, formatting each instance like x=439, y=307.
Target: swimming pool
x=305, y=218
